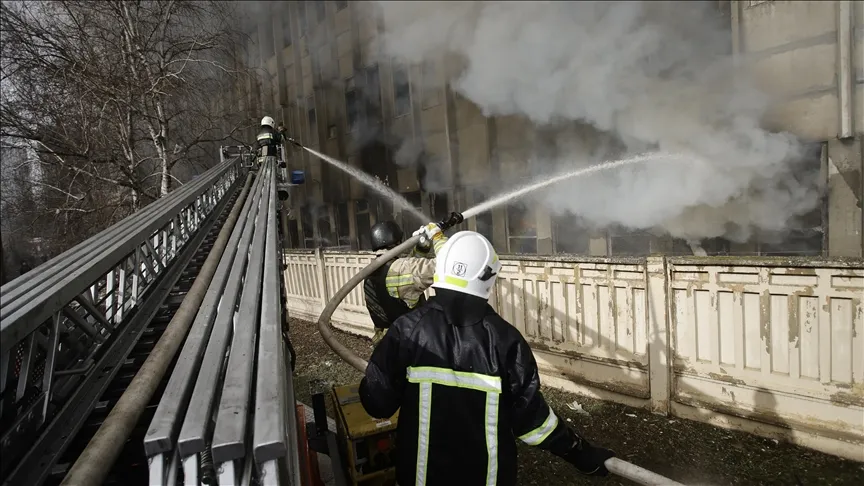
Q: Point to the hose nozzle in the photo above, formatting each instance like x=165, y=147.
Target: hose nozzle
x=293, y=142
x=451, y=221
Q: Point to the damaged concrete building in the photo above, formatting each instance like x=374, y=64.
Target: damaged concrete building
x=757, y=340
x=319, y=75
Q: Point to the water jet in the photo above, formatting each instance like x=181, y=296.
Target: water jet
x=533, y=186
x=370, y=181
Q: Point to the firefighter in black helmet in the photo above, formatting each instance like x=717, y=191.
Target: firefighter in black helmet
x=398, y=286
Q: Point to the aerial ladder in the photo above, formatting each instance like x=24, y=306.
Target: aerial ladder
x=157, y=352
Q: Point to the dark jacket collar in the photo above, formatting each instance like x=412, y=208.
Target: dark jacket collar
x=459, y=308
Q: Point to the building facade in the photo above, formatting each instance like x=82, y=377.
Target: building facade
x=319, y=76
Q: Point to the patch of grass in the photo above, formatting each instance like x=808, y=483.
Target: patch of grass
x=690, y=452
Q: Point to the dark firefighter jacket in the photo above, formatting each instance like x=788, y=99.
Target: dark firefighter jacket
x=467, y=384
x=267, y=141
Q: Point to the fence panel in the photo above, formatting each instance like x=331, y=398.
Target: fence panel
x=305, y=300
x=585, y=319
x=767, y=341
x=781, y=345
x=351, y=316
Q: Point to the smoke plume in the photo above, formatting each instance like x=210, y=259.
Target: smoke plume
x=653, y=75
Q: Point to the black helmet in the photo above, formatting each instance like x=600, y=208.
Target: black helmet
x=386, y=234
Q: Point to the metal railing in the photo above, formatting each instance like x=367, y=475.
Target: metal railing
x=55, y=319
x=204, y=421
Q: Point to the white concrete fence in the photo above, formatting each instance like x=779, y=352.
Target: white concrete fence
x=770, y=346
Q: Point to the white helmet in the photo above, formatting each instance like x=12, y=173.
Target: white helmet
x=268, y=121
x=467, y=263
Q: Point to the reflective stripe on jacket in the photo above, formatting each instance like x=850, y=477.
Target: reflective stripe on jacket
x=267, y=141
x=409, y=277
x=402, y=286
x=466, y=385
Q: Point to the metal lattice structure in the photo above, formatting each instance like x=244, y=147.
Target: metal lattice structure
x=204, y=422
x=77, y=332
x=58, y=319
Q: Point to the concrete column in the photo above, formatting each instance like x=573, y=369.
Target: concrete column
x=352, y=224
x=544, y=230
x=845, y=225
x=659, y=349
x=456, y=200
x=846, y=69
x=459, y=202
x=331, y=214
x=735, y=15
x=281, y=75
x=322, y=276
x=499, y=230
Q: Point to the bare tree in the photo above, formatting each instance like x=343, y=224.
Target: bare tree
x=115, y=98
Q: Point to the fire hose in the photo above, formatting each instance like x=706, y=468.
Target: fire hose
x=614, y=465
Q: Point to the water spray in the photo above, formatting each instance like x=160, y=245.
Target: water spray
x=531, y=187
x=370, y=181
x=614, y=465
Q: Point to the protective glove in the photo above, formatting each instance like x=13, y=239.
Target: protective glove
x=423, y=246
x=588, y=459
x=378, y=336
x=428, y=234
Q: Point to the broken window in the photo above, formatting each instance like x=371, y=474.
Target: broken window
x=409, y=220
x=439, y=207
x=385, y=210
x=313, y=121
x=325, y=231
x=401, y=91
x=430, y=85
x=521, y=229
x=571, y=234
x=364, y=227
x=372, y=94
x=627, y=242
x=306, y=224
x=343, y=229
x=293, y=235
x=352, y=106
x=324, y=64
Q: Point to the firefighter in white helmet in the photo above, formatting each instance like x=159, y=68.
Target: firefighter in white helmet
x=465, y=382
x=269, y=139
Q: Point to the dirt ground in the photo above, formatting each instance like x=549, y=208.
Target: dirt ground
x=689, y=452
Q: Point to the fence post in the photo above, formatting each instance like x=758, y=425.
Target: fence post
x=659, y=349
x=322, y=277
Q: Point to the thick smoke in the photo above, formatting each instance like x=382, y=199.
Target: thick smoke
x=654, y=75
